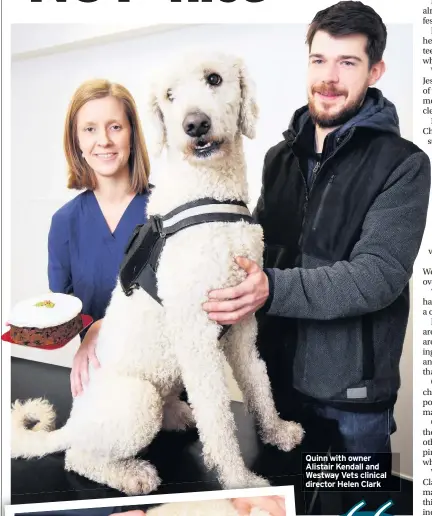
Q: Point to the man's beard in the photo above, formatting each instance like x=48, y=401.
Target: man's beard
x=326, y=120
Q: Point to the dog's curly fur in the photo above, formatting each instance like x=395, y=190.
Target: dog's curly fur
x=148, y=352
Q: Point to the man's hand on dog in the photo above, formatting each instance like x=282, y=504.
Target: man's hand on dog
x=231, y=305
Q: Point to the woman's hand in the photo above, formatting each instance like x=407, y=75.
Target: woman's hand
x=86, y=352
x=274, y=505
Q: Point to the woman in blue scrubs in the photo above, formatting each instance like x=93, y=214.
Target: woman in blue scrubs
x=107, y=158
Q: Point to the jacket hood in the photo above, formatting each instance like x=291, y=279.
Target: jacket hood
x=376, y=113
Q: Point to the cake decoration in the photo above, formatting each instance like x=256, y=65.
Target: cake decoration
x=47, y=304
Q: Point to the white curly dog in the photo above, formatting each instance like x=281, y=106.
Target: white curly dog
x=148, y=352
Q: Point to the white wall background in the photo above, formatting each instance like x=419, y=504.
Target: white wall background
x=50, y=61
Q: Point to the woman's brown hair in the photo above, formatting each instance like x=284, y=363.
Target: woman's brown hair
x=80, y=175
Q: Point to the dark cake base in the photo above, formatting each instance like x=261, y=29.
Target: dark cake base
x=47, y=336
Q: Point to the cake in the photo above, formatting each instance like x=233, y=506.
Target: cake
x=47, y=320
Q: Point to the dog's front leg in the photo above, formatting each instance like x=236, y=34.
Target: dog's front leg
x=251, y=375
x=201, y=362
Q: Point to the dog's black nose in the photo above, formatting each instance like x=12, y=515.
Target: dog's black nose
x=196, y=124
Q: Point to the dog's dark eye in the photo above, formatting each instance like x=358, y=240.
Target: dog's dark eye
x=214, y=79
x=169, y=95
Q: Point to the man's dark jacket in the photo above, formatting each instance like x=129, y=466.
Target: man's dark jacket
x=339, y=255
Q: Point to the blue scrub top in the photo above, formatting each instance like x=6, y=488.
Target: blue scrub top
x=84, y=257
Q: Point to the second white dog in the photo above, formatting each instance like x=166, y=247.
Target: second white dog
x=149, y=351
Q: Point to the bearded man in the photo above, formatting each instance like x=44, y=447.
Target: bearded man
x=343, y=206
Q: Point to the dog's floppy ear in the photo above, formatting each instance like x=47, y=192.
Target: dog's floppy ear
x=157, y=127
x=249, y=108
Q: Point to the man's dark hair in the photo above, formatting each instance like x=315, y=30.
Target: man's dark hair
x=352, y=17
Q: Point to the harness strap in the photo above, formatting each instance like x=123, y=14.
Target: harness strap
x=204, y=201
x=200, y=213
x=175, y=226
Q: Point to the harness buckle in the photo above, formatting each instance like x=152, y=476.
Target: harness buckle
x=158, y=225
x=129, y=291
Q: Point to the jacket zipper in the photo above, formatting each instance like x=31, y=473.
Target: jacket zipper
x=318, y=166
x=305, y=206
x=315, y=172
x=322, y=201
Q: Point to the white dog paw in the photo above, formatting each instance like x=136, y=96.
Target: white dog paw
x=286, y=435
x=143, y=480
x=177, y=416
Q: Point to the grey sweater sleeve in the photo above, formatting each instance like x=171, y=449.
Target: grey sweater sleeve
x=380, y=264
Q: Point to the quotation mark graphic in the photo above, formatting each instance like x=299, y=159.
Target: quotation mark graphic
x=379, y=512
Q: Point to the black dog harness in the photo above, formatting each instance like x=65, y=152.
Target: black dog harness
x=141, y=256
